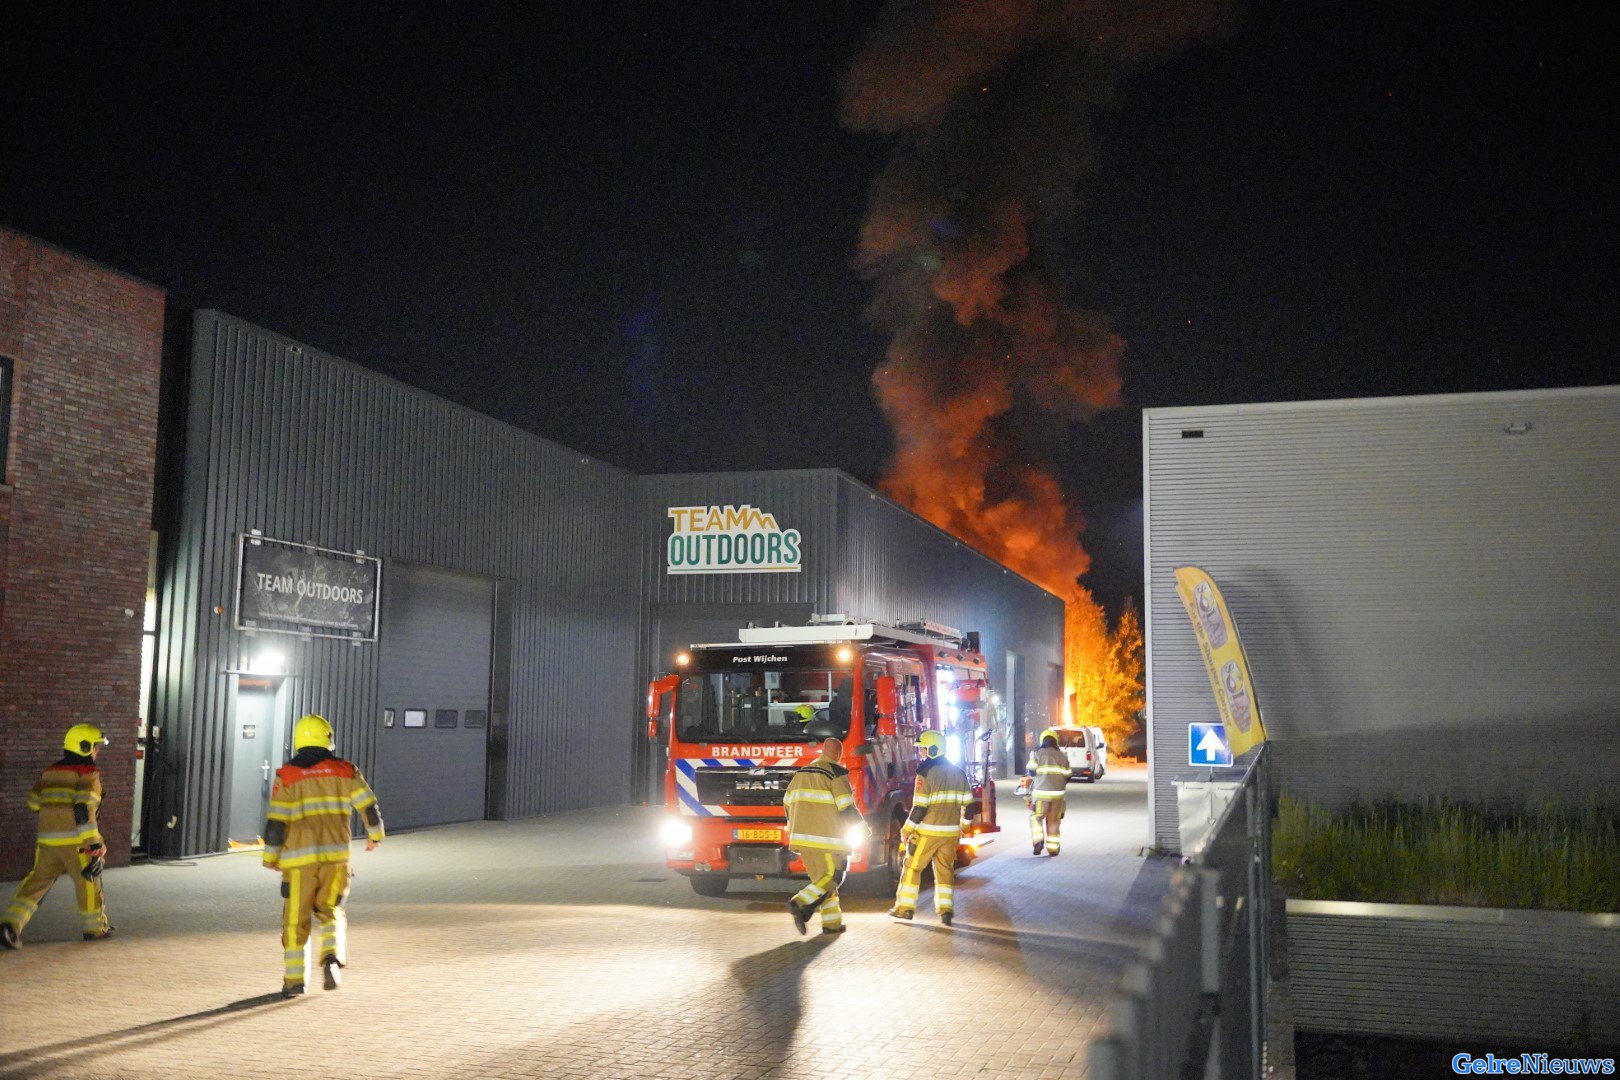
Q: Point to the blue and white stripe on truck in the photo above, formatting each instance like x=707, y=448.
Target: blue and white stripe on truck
x=686, y=780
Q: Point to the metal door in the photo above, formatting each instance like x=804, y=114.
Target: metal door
x=434, y=668
x=257, y=735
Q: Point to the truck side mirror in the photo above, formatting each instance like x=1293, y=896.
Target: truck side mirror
x=658, y=692
x=655, y=692
x=888, y=704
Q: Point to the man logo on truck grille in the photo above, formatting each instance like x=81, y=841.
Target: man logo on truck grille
x=730, y=540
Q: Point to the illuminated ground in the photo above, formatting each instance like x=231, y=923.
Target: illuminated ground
x=561, y=947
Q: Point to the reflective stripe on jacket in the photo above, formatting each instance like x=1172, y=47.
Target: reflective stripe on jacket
x=309, y=813
x=1050, y=768
x=940, y=799
x=68, y=799
x=820, y=807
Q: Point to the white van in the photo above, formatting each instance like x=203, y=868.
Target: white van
x=1086, y=749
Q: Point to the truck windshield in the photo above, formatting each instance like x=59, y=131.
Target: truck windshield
x=763, y=706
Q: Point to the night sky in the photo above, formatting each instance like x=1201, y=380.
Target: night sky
x=632, y=230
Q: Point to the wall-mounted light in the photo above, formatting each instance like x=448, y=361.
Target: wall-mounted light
x=1518, y=427
x=682, y=659
x=269, y=662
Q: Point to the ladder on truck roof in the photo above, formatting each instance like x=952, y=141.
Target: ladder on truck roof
x=826, y=629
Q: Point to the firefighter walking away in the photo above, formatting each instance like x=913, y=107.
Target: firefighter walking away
x=1048, y=770
x=67, y=797
x=307, y=838
x=822, y=825
x=933, y=829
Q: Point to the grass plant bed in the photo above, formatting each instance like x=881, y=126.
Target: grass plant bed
x=1449, y=853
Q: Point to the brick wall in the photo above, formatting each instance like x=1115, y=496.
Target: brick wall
x=75, y=515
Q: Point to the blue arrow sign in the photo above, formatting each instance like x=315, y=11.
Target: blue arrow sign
x=1207, y=745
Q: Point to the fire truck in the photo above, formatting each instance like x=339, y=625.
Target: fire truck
x=739, y=717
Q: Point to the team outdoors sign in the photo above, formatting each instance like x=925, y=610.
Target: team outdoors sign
x=730, y=540
x=293, y=588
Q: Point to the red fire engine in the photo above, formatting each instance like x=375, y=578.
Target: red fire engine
x=739, y=717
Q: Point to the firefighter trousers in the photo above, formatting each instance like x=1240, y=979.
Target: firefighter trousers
x=826, y=870
x=51, y=861
x=941, y=852
x=1045, y=816
x=316, y=891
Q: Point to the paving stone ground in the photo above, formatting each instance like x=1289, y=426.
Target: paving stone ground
x=562, y=947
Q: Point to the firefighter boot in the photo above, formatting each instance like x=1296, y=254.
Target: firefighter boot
x=8, y=936
x=1051, y=822
x=800, y=915
x=333, y=973
x=292, y=990
x=946, y=916
x=99, y=935
x=901, y=913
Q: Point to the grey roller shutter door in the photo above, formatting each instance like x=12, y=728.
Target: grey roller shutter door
x=435, y=657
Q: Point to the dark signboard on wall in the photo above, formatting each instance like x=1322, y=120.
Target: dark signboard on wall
x=302, y=589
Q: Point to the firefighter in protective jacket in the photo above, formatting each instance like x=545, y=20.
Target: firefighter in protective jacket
x=307, y=839
x=67, y=796
x=933, y=829
x=1049, y=770
x=822, y=824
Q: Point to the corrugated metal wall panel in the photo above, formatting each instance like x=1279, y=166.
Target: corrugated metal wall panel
x=1418, y=589
x=800, y=499
x=309, y=448
x=1457, y=974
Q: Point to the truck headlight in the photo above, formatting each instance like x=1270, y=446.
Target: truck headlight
x=677, y=833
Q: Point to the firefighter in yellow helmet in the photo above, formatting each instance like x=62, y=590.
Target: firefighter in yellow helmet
x=1049, y=772
x=67, y=796
x=933, y=829
x=307, y=839
x=822, y=822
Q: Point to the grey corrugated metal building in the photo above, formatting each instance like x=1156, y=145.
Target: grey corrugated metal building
x=503, y=599
x=504, y=667
x=1423, y=586
x=857, y=554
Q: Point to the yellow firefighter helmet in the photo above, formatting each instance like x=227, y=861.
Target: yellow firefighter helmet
x=1049, y=733
x=81, y=737
x=931, y=743
x=312, y=730
x=805, y=713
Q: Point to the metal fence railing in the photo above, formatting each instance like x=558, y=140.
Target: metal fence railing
x=1192, y=1007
